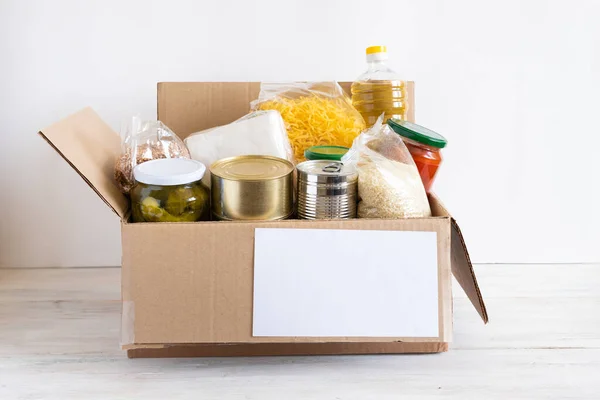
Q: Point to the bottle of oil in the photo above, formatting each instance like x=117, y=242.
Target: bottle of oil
x=379, y=90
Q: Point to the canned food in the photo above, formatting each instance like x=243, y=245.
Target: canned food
x=258, y=188
x=326, y=190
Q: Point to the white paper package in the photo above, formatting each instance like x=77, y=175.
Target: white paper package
x=258, y=133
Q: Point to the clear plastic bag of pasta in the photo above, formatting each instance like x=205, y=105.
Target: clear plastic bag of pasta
x=389, y=184
x=315, y=113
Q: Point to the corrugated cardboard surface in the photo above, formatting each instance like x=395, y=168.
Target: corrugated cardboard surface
x=291, y=349
x=91, y=147
x=187, y=288
x=462, y=269
x=195, y=106
x=188, y=107
x=211, y=266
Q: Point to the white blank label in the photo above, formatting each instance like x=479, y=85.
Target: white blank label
x=336, y=283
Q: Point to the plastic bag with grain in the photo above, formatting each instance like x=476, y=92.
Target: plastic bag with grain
x=315, y=113
x=143, y=141
x=389, y=184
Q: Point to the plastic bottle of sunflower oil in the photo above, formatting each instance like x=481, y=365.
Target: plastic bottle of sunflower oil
x=379, y=90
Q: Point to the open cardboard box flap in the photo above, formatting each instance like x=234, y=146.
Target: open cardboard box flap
x=91, y=147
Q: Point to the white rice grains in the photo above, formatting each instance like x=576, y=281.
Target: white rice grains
x=390, y=189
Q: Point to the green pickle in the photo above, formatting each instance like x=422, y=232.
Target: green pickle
x=180, y=203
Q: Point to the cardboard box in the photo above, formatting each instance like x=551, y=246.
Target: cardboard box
x=187, y=288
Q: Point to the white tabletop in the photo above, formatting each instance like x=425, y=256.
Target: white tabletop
x=59, y=339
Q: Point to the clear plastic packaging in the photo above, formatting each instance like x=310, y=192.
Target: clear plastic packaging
x=144, y=141
x=389, y=184
x=315, y=113
x=258, y=133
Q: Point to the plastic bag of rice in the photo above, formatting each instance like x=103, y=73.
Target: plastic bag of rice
x=389, y=185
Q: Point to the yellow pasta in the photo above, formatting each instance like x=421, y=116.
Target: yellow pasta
x=314, y=120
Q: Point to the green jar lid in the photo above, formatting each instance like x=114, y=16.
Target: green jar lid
x=325, y=152
x=417, y=133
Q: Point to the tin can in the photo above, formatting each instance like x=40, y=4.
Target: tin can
x=326, y=190
x=257, y=188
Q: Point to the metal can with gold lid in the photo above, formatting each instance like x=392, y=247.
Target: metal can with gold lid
x=257, y=188
x=327, y=190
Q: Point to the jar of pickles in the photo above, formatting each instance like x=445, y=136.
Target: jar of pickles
x=170, y=190
x=424, y=146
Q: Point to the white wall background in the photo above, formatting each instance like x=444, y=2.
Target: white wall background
x=514, y=85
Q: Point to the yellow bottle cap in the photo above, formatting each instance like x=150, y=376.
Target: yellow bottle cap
x=376, y=49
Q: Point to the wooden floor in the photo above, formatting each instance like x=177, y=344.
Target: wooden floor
x=59, y=339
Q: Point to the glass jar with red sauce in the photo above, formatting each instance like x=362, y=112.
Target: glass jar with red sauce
x=424, y=146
